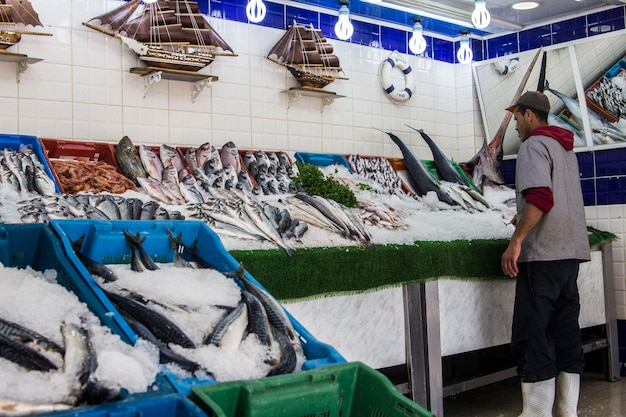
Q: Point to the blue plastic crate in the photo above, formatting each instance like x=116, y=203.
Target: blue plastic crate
x=14, y=142
x=104, y=242
x=322, y=159
x=615, y=69
x=38, y=247
x=171, y=405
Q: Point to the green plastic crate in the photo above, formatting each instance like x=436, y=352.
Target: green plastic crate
x=346, y=390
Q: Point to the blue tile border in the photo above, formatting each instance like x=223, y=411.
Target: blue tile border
x=279, y=16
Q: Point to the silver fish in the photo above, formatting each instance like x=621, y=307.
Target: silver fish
x=230, y=330
x=80, y=360
x=11, y=408
x=597, y=122
x=151, y=162
x=170, y=157
x=230, y=156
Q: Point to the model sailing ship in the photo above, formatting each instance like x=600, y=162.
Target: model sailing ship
x=13, y=14
x=165, y=34
x=308, y=55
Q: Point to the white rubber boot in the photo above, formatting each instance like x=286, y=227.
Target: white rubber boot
x=567, y=391
x=538, y=398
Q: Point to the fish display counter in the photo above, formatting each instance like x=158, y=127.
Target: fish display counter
x=447, y=300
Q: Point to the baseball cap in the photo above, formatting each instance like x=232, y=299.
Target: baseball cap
x=534, y=100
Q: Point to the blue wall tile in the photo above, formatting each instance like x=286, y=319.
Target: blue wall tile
x=327, y=26
x=535, y=38
x=394, y=39
x=274, y=16
x=610, y=162
x=611, y=190
x=301, y=16
x=508, y=171
x=569, y=30
x=586, y=164
x=443, y=50
x=606, y=21
x=367, y=34
x=230, y=10
x=502, y=45
x=589, y=191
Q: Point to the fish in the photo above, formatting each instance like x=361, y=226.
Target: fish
x=11, y=408
x=597, y=122
x=178, y=245
x=191, y=158
x=203, y=155
x=486, y=163
x=26, y=347
x=166, y=355
x=275, y=312
x=43, y=184
x=147, y=209
x=165, y=330
x=151, y=162
x=256, y=214
x=229, y=332
x=140, y=259
x=258, y=323
x=170, y=157
x=230, y=156
x=128, y=160
x=93, y=267
x=579, y=139
x=288, y=359
x=79, y=360
x=421, y=179
x=189, y=190
x=445, y=169
x=193, y=251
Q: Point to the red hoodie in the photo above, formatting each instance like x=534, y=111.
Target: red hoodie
x=542, y=196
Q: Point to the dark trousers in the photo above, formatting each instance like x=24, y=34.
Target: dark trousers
x=545, y=336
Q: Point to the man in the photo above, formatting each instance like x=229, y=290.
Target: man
x=549, y=242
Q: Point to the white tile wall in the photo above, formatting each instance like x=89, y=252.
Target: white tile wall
x=83, y=90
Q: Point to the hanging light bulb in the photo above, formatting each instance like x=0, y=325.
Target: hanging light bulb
x=255, y=10
x=464, y=54
x=343, y=27
x=417, y=43
x=480, y=15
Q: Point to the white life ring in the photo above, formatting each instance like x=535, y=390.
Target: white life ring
x=394, y=93
x=506, y=67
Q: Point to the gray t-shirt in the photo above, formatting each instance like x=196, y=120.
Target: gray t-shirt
x=562, y=232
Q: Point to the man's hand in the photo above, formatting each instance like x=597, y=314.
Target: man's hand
x=509, y=259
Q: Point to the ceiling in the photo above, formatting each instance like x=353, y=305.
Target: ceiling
x=503, y=18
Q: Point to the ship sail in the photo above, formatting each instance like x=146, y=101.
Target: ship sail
x=308, y=55
x=13, y=15
x=168, y=34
